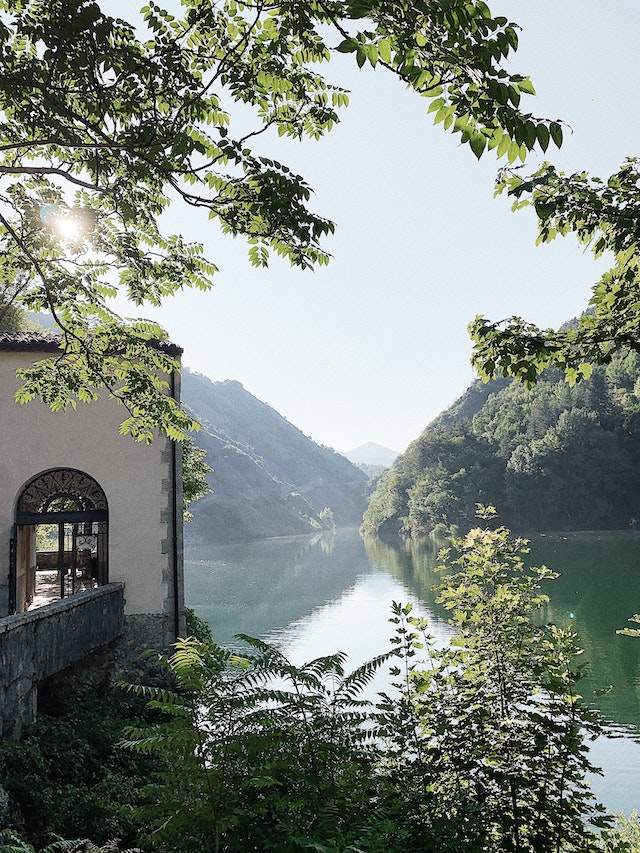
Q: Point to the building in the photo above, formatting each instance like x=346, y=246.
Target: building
x=90, y=532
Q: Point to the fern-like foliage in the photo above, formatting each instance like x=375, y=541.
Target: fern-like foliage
x=10, y=842
x=257, y=731
x=475, y=746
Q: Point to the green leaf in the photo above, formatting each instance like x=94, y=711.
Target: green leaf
x=503, y=145
x=513, y=151
x=384, y=49
x=526, y=86
x=530, y=135
x=477, y=143
x=556, y=133
x=349, y=45
x=542, y=132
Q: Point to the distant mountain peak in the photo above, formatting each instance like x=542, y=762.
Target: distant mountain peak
x=371, y=453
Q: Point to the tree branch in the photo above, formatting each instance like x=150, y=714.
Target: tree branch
x=51, y=170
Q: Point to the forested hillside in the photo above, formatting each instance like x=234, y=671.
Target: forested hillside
x=268, y=478
x=549, y=458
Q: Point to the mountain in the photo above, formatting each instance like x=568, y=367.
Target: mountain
x=552, y=457
x=268, y=478
x=372, y=454
x=43, y=320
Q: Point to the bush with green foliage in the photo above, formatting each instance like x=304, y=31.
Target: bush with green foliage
x=10, y=842
x=68, y=775
x=264, y=755
x=12, y=317
x=488, y=743
x=624, y=837
x=480, y=746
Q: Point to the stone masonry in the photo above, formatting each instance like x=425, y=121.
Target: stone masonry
x=39, y=643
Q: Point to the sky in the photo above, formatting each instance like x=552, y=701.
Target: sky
x=374, y=346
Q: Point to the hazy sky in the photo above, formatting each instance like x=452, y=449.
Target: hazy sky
x=374, y=346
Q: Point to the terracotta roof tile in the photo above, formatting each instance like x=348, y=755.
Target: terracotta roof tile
x=29, y=341
x=50, y=342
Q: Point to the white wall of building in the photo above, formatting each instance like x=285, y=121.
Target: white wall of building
x=135, y=477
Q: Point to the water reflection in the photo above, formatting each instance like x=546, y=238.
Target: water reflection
x=598, y=588
x=254, y=587
x=412, y=563
x=596, y=592
x=317, y=595
x=261, y=587
x=357, y=623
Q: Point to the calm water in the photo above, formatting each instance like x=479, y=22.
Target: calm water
x=316, y=595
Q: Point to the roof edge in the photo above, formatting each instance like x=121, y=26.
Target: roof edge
x=50, y=342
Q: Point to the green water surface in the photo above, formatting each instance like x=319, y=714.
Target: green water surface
x=315, y=595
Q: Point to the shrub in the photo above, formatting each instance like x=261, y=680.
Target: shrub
x=488, y=742
x=68, y=775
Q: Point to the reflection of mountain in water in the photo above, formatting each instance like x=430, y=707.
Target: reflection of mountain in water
x=255, y=587
x=260, y=587
x=413, y=563
x=597, y=591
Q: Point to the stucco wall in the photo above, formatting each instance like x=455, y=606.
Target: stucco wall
x=135, y=477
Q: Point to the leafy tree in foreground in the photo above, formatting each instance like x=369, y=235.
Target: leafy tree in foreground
x=481, y=745
x=264, y=755
x=488, y=742
x=68, y=777
x=105, y=122
x=604, y=215
x=10, y=842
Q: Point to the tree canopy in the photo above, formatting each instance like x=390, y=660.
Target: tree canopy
x=104, y=123
x=605, y=217
x=550, y=457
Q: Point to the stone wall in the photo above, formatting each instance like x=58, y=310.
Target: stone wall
x=39, y=643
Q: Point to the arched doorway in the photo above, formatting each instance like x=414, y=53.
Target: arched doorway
x=60, y=542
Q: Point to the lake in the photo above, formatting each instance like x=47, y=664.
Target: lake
x=320, y=594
